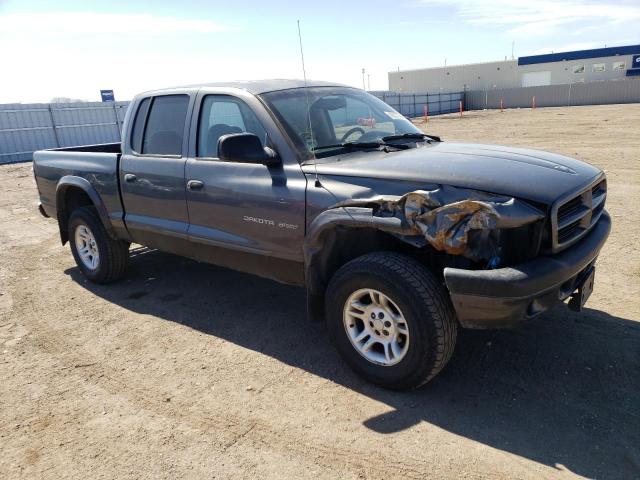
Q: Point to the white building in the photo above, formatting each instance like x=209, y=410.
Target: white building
x=600, y=64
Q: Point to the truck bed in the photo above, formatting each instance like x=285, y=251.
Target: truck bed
x=87, y=167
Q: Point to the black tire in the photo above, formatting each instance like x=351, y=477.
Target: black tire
x=113, y=255
x=426, y=308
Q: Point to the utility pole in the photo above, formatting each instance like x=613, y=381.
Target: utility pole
x=513, y=44
x=364, y=87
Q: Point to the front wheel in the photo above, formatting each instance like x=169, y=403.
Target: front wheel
x=391, y=320
x=101, y=258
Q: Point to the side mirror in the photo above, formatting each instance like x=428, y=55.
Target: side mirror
x=245, y=148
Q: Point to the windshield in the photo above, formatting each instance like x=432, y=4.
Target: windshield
x=338, y=116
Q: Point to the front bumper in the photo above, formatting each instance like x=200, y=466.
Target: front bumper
x=505, y=297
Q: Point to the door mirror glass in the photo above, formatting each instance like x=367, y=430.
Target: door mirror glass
x=245, y=148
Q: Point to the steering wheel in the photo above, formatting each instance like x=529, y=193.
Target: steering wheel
x=350, y=132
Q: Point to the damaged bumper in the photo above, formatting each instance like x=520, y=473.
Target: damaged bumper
x=507, y=296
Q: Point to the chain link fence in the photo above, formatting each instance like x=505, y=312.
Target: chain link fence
x=413, y=104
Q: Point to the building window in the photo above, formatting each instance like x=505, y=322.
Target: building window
x=578, y=69
x=598, y=67
x=618, y=66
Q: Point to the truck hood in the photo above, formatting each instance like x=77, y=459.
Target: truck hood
x=524, y=173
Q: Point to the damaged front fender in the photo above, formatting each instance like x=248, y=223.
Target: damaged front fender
x=452, y=220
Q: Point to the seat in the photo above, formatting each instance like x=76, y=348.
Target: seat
x=164, y=143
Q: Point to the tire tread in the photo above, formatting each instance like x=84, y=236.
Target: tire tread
x=431, y=296
x=117, y=255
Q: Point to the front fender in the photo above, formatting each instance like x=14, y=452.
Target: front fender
x=321, y=236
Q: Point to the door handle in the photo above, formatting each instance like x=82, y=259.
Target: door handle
x=195, y=184
x=130, y=177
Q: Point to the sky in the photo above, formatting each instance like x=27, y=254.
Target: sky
x=72, y=48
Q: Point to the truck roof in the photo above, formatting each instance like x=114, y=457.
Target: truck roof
x=257, y=87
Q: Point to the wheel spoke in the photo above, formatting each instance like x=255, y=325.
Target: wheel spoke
x=384, y=302
x=368, y=344
x=388, y=354
x=395, y=347
x=358, y=305
x=357, y=314
x=375, y=297
x=402, y=327
x=361, y=335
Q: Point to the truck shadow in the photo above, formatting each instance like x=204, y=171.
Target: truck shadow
x=563, y=391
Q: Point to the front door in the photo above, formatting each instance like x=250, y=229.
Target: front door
x=152, y=175
x=247, y=216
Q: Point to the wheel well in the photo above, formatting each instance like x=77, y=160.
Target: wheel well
x=345, y=244
x=72, y=199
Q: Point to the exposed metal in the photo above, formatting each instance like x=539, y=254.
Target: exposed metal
x=376, y=327
x=448, y=218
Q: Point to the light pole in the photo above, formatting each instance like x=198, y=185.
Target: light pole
x=368, y=82
x=364, y=87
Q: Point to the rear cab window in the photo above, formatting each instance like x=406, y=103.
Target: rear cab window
x=158, y=128
x=138, y=125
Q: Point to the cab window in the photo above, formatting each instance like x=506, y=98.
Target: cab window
x=164, y=130
x=223, y=115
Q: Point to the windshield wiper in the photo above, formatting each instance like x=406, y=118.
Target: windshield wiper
x=417, y=136
x=349, y=145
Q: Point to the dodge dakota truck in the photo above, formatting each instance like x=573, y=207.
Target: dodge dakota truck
x=398, y=237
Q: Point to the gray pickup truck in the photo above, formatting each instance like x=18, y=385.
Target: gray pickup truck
x=398, y=237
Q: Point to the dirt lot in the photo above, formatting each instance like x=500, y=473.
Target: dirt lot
x=185, y=370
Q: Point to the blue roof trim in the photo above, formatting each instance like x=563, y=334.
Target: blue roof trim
x=579, y=55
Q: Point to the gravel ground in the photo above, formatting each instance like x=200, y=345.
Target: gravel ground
x=185, y=370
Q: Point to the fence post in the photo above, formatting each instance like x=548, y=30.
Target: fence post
x=115, y=112
x=53, y=126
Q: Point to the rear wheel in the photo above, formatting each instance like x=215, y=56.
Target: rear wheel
x=100, y=258
x=391, y=320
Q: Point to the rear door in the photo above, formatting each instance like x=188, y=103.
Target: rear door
x=244, y=215
x=152, y=173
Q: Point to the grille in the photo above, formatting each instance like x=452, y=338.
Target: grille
x=575, y=216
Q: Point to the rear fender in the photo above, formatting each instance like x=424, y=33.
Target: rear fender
x=69, y=182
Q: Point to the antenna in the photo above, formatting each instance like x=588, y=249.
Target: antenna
x=304, y=76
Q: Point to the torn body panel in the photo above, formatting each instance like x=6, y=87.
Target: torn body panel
x=326, y=233
x=452, y=220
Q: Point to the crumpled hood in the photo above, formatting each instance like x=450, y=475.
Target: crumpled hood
x=524, y=173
